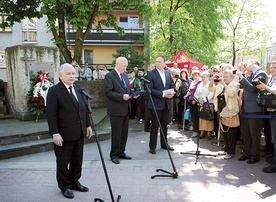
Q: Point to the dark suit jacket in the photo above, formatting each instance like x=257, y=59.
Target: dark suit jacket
x=156, y=85
x=63, y=116
x=114, y=91
x=250, y=93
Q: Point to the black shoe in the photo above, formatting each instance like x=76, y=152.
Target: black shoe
x=68, y=193
x=243, y=158
x=169, y=147
x=252, y=161
x=147, y=130
x=268, y=154
x=152, y=151
x=124, y=156
x=268, y=160
x=80, y=187
x=115, y=160
x=269, y=169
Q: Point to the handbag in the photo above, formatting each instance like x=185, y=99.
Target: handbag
x=187, y=115
x=232, y=121
x=205, y=112
x=229, y=117
x=266, y=99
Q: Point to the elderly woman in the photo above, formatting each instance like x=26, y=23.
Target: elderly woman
x=205, y=98
x=181, y=87
x=192, y=103
x=226, y=94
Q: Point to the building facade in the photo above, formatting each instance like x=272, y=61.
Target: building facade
x=32, y=32
x=98, y=48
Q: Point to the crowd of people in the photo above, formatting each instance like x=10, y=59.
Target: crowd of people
x=86, y=73
x=229, y=95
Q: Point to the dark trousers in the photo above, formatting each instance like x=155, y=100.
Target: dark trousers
x=119, y=134
x=251, y=129
x=147, y=116
x=273, y=139
x=163, y=116
x=267, y=134
x=229, y=136
x=71, y=153
x=216, y=123
x=194, y=114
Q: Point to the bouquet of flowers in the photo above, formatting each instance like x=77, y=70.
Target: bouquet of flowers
x=37, y=95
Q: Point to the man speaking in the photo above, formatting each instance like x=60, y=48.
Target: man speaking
x=69, y=123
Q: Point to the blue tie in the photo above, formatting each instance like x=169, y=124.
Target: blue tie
x=123, y=81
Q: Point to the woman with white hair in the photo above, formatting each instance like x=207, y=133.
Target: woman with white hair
x=226, y=96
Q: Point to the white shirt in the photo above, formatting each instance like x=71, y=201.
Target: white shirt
x=73, y=91
x=163, y=77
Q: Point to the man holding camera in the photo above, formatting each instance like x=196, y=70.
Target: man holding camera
x=251, y=127
x=271, y=87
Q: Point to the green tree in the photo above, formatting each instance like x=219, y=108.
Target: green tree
x=80, y=14
x=134, y=58
x=193, y=25
x=245, y=31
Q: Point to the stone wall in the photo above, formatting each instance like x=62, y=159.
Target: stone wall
x=96, y=89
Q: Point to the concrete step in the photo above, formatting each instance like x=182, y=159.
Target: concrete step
x=30, y=136
x=23, y=141
x=41, y=145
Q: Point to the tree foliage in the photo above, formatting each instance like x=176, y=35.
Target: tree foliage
x=245, y=31
x=80, y=14
x=134, y=58
x=193, y=25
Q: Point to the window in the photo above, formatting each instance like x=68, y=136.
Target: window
x=30, y=29
x=3, y=19
x=2, y=58
x=129, y=21
x=88, y=56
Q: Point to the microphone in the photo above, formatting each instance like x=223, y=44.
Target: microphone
x=145, y=80
x=86, y=94
x=178, y=77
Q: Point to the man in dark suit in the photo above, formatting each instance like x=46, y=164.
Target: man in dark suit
x=251, y=127
x=117, y=91
x=160, y=80
x=69, y=123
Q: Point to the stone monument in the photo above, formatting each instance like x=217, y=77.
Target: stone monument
x=23, y=63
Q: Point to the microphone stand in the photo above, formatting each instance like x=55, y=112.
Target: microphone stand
x=87, y=96
x=169, y=174
x=197, y=152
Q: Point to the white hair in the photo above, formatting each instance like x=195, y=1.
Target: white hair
x=65, y=65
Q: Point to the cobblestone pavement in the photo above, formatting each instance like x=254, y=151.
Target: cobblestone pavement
x=31, y=178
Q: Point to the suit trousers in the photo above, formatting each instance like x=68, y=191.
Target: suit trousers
x=163, y=116
x=71, y=153
x=251, y=132
x=229, y=137
x=119, y=134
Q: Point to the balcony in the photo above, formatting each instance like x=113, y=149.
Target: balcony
x=109, y=37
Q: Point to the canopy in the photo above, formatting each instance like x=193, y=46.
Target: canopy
x=183, y=61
